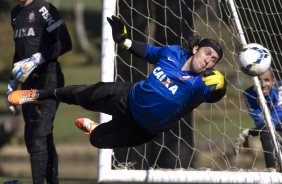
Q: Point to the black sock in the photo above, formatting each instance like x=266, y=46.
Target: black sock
x=46, y=94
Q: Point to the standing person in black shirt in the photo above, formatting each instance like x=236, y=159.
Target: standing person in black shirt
x=40, y=37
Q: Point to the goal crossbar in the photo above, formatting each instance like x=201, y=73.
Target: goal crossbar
x=183, y=176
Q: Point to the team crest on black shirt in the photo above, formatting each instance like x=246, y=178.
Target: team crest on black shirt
x=31, y=17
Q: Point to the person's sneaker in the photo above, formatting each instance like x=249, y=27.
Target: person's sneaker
x=86, y=125
x=19, y=97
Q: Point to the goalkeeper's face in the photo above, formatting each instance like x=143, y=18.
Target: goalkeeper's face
x=267, y=80
x=203, y=58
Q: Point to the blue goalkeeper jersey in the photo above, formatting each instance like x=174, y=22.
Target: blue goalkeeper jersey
x=168, y=92
x=274, y=103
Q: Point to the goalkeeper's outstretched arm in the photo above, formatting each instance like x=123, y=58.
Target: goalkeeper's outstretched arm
x=120, y=37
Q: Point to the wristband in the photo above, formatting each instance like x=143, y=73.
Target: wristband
x=126, y=44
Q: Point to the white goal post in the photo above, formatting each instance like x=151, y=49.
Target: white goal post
x=257, y=87
x=215, y=126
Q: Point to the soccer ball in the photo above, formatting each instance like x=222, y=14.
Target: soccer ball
x=254, y=59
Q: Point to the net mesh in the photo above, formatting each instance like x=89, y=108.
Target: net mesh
x=206, y=138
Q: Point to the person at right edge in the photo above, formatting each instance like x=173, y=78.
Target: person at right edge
x=272, y=91
x=180, y=81
x=40, y=37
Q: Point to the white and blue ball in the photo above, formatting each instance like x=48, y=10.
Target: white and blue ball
x=254, y=59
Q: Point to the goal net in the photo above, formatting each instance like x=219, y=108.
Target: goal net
x=200, y=148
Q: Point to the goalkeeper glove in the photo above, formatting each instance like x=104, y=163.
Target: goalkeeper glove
x=12, y=86
x=242, y=141
x=23, y=68
x=119, y=31
x=216, y=83
x=214, y=79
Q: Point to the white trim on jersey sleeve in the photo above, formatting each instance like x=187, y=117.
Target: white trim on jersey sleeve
x=55, y=25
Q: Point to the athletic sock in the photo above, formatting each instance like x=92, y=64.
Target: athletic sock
x=46, y=94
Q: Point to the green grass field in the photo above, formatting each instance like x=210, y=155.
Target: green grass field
x=65, y=130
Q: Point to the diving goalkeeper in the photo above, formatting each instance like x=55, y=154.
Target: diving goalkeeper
x=181, y=80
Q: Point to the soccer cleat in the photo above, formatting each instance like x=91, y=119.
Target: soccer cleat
x=19, y=97
x=86, y=125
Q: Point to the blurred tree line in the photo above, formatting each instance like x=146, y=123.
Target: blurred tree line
x=84, y=25
x=7, y=4
x=6, y=42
